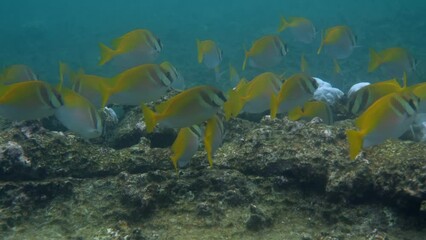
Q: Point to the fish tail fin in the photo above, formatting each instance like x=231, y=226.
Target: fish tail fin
x=283, y=25
x=337, y=68
x=322, y=43
x=355, y=143
x=200, y=51
x=375, y=60
x=233, y=106
x=106, y=54
x=209, y=150
x=150, y=118
x=295, y=114
x=274, y=106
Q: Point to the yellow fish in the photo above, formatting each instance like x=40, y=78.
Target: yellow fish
x=338, y=42
x=209, y=53
x=311, y=110
x=185, y=146
x=29, y=100
x=253, y=96
x=144, y=83
x=388, y=117
x=394, y=61
x=213, y=136
x=133, y=48
x=266, y=52
x=364, y=97
x=79, y=115
x=190, y=107
x=295, y=91
x=301, y=28
x=17, y=73
x=94, y=88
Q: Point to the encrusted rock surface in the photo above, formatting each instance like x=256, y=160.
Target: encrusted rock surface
x=271, y=177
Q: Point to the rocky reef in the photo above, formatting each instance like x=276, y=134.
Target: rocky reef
x=271, y=179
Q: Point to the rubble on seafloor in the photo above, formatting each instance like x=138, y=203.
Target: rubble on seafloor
x=270, y=179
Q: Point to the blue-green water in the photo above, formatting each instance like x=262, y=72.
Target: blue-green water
x=42, y=33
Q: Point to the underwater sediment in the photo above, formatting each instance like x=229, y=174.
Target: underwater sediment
x=271, y=179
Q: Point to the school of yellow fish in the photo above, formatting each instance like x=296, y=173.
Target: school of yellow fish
x=385, y=109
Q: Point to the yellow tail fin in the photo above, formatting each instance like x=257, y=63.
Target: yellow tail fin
x=355, y=143
x=200, y=51
x=375, y=60
x=295, y=114
x=283, y=25
x=233, y=105
x=274, y=106
x=106, y=54
x=149, y=117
